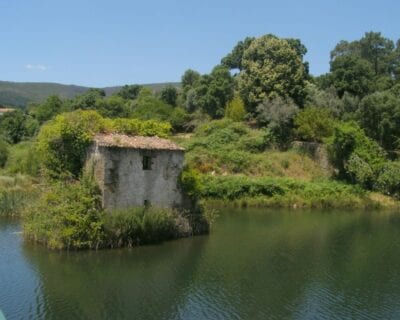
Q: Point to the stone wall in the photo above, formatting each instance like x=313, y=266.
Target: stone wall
x=124, y=183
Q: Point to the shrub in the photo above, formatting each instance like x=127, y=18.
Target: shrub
x=357, y=157
x=24, y=159
x=277, y=114
x=235, y=109
x=314, y=124
x=388, y=180
x=3, y=152
x=67, y=215
x=63, y=141
x=190, y=182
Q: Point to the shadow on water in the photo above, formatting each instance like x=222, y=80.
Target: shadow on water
x=256, y=264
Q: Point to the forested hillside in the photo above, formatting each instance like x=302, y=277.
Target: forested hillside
x=20, y=94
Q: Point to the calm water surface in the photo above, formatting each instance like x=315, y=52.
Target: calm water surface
x=256, y=264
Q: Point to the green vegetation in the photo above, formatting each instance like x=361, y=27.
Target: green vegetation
x=20, y=94
x=238, y=124
x=63, y=142
x=314, y=124
x=16, y=193
x=284, y=192
x=70, y=216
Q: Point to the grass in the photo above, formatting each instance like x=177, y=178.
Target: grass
x=224, y=147
x=16, y=193
x=241, y=191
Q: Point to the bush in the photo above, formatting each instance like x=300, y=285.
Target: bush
x=190, y=182
x=3, y=152
x=277, y=115
x=63, y=142
x=67, y=215
x=388, y=181
x=24, y=159
x=314, y=124
x=358, y=158
x=235, y=109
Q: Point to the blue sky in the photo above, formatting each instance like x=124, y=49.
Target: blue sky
x=104, y=43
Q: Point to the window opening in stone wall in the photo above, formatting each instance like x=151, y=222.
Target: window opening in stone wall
x=147, y=163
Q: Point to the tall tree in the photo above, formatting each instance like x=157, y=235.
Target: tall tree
x=213, y=91
x=233, y=60
x=272, y=67
x=350, y=73
x=129, y=92
x=379, y=115
x=169, y=94
x=372, y=47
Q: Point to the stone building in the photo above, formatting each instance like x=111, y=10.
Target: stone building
x=137, y=171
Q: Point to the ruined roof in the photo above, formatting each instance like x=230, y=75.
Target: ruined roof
x=135, y=142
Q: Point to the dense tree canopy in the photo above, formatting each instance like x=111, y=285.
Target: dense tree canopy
x=271, y=68
x=352, y=74
x=380, y=117
x=169, y=95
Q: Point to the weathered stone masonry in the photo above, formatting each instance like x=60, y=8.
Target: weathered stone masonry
x=137, y=171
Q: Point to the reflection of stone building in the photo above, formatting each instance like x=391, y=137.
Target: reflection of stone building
x=137, y=171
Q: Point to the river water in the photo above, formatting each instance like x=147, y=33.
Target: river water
x=256, y=264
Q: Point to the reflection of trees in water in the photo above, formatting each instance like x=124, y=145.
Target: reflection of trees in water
x=280, y=265
x=142, y=283
x=255, y=265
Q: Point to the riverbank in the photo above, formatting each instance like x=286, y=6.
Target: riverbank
x=242, y=191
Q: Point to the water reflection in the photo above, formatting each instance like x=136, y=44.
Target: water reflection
x=256, y=264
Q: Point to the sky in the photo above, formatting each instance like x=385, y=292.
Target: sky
x=107, y=43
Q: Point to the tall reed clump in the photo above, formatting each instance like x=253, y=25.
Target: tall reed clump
x=138, y=226
x=16, y=193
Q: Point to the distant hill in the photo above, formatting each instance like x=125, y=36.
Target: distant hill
x=19, y=94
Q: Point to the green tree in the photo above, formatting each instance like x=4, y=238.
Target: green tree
x=169, y=94
x=87, y=101
x=277, y=115
x=352, y=74
x=379, y=116
x=129, y=92
x=213, y=91
x=235, y=109
x=271, y=68
x=189, y=78
x=113, y=107
x=48, y=109
x=358, y=158
x=314, y=124
x=233, y=60
x=381, y=53
x=12, y=126
x=388, y=181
